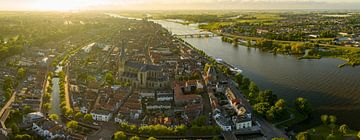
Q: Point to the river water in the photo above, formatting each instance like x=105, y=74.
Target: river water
x=330, y=90
x=55, y=97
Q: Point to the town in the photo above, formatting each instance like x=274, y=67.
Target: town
x=99, y=76
x=139, y=76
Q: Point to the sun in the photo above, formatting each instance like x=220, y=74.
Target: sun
x=55, y=5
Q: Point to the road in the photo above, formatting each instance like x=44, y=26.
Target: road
x=4, y=112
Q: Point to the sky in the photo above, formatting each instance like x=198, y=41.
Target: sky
x=176, y=4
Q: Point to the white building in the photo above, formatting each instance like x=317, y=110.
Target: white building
x=221, y=121
x=158, y=105
x=47, y=134
x=101, y=115
x=162, y=98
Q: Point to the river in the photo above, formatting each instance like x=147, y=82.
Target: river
x=330, y=90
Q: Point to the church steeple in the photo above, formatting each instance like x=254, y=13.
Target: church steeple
x=122, y=58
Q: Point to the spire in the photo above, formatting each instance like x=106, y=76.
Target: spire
x=122, y=50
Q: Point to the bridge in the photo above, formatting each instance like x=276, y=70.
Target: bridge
x=195, y=35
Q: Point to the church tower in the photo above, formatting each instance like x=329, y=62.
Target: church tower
x=122, y=59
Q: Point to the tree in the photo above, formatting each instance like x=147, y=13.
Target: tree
x=331, y=137
x=280, y=105
x=206, y=67
x=109, y=78
x=199, y=121
x=180, y=129
x=358, y=134
x=262, y=108
x=302, y=136
x=135, y=138
x=344, y=129
x=88, y=118
x=72, y=125
x=53, y=117
x=253, y=87
x=324, y=118
x=278, y=139
x=238, y=78
x=21, y=73
x=69, y=112
x=78, y=116
x=332, y=120
x=23, y=137
x=245, y=83
x=119, y=135
x=46, y=107
x=266, y=96
x=302, y=105
x=27, y=109
x=152, y=138
x=46, y=96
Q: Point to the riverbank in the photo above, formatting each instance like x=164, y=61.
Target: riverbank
x=349, y=54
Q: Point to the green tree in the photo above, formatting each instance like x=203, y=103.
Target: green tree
x=332, y=120
x=302, y=136
x=21, y=73
x=302, y=105
x=278, y=139
x=8, y=83
x=206, y=67
x=152, y=138
x=119, y=135
x=23, y=137
x=344, y=129
x=69, y=112
x=253, y=87
x=27, y=109
x=88, y=118
x=53, y=117
x=331, y=137
x=266, y=96
x=78, y=116
x=215, y=138
x=135, y=138
x=46, y=97
x=262, y=108
x=238, y=78
x=180, y=129
x=72, y=125
x=324, y=118
x=199, y=121
x=46, y=107
x=109, y=78
x=245, y=83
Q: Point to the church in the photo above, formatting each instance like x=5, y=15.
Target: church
x=140, y=75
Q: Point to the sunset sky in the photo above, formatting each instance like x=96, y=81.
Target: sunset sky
x=175, y=4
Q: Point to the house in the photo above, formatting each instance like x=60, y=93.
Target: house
x=34, y=116
x=184, y=94
x=221, y=121
x=49, y=130
x=158, y=105
x=162, y=98
x=242, y=122
x=101, y=115
x=221, y=86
